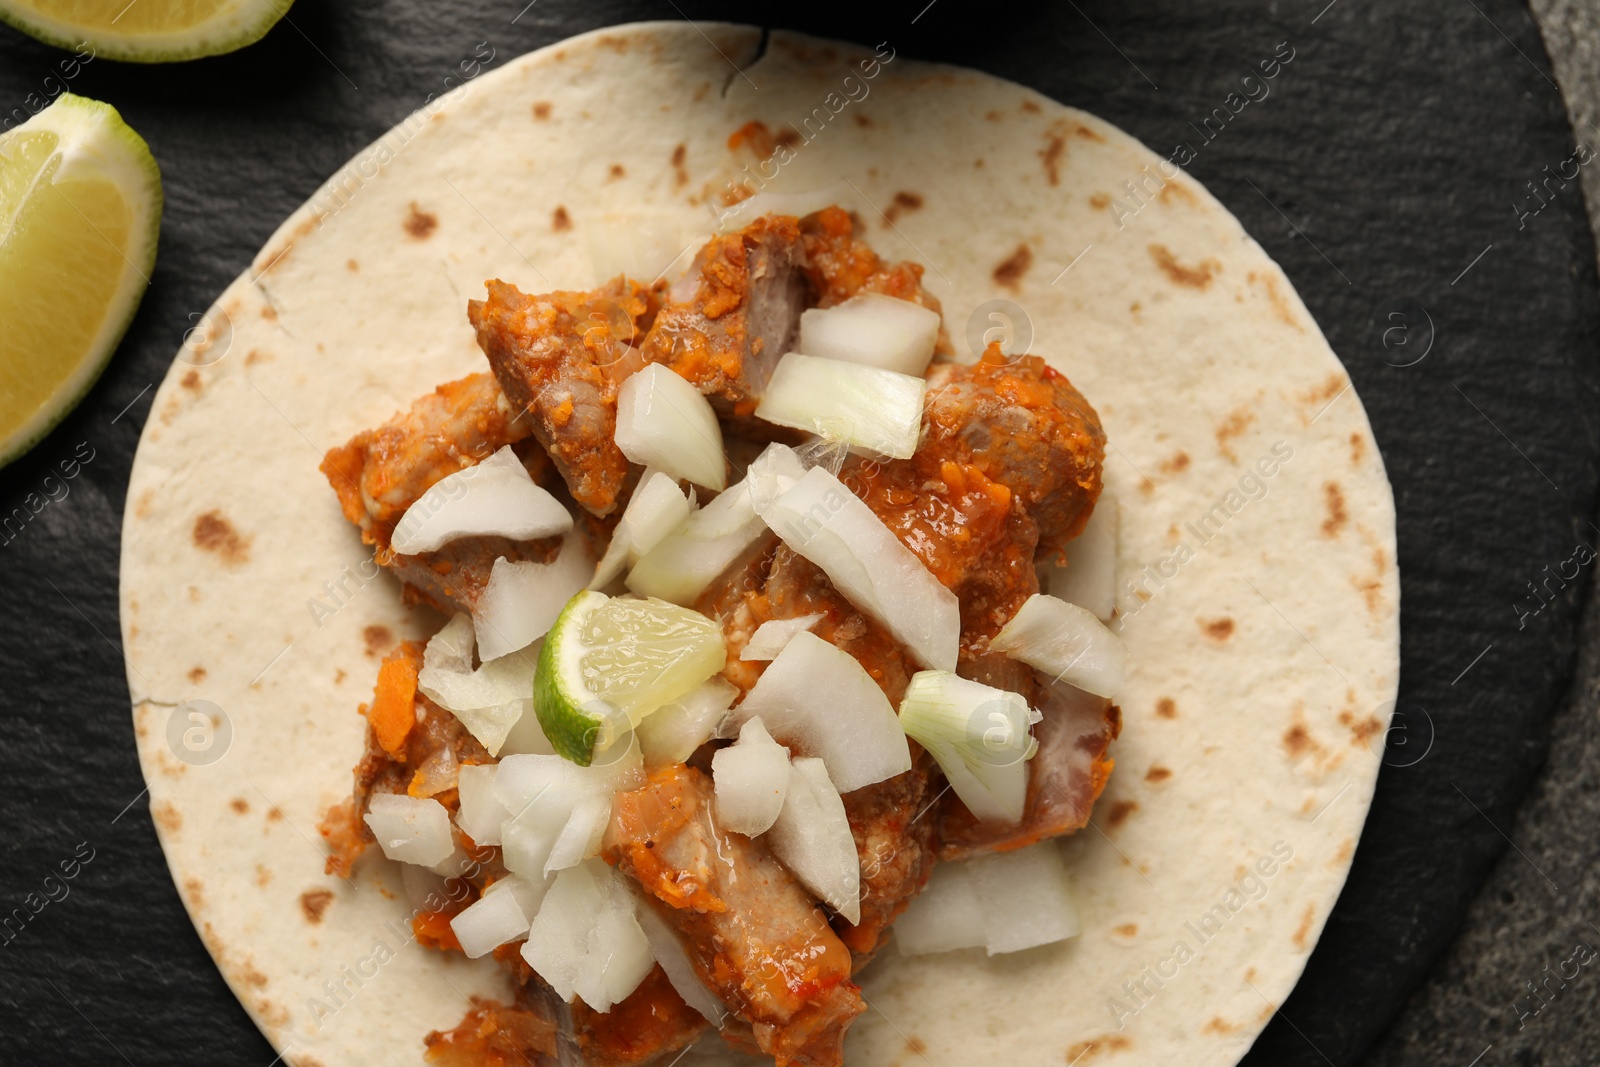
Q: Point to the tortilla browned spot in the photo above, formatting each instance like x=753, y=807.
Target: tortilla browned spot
x=863, y=120
x=1235, y=424
x=1084, y=1051
x=1337, y=516
x=255, y=978
x=378, y=639
x=191, y=381
x=560, y=221
x=1176, y=463
x=617, y=171
x=167, y=816
x=541, y=110
x=239, y=804
x=215, y=534
x=1010, y=272
x=1120, y=811
x=197, y=674
x=314, y=902
x=1357, y=447
x=916, y=1046
x=1167, y=708
x=1178, y=189
x=1218, y=1025
x=1157, y=773
x=193, y=887
x=1099, y=201
x=903, y=201
x=1126, y=930
x=1218, y=629
x=1029, y=105
x=1051, y=154
x=1297, y=739
x=1304, y=931
x=352, y=266
x=1197, y=277
x=419, y=223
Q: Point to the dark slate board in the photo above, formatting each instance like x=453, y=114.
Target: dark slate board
x=1381, y=172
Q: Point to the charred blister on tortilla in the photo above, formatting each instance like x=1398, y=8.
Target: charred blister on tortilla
x=1002, y=473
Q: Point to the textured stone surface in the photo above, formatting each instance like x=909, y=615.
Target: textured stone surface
x=1378, y=171
x=1541, y=901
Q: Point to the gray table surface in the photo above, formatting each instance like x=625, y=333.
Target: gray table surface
x=1542, y=900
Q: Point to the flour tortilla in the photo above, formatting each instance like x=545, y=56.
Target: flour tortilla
x=1262, y=668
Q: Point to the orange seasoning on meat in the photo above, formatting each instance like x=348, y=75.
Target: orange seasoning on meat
x=392, y=712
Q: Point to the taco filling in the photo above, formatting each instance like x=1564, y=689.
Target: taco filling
x=752, y=659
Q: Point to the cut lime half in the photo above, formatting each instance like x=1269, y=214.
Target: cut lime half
x=146, y=31
x=608, y=662
x=80, y=211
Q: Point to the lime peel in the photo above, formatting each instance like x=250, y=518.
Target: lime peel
x=146, y=33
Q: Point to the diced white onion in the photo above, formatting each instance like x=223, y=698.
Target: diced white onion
x=751, y=777
x=656, y=508
x=820, y=699
x=542, y=794
x=877, y=411
x=438, y=773
x=1028, y=897
x=694, y=555
x=875, y=330
x=580, y=838
x=522, y=599
x=667, y=948
x=586, y=940
x=946, y=915
x=480, y=812
x=771, y=636
x=671, y=733
x=798, y=204
x=821, y=519
x=490, y=922
x=665, y=423
x=812, y=838
x=410, y=829
x=1089, y=578
x=978, y=735
x=1066, y=642
x=495, y=498
x=527, y=736
x=489, y=701
x=1006, y=902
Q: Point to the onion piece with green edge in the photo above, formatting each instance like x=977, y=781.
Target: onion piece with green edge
x=410, y=829
x=656, y=508
x=874, y=330
x=495, y=498
x=877, y=411
x=1089, y=578
x=522, y=599
x=696, y=554
x=665, y=423
x=799, y=204
x=751, y=777
x=480, y=813
x=671, y=733
x=490, y=700
x=586, y=940
x=1066, y=642
x=1005, y=901
x=821, y=519
x=771, y=636
x=668, y=950
x=979, y=735
x=820, y=700
x=812, y=838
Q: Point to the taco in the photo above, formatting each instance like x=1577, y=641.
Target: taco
x=877, y=565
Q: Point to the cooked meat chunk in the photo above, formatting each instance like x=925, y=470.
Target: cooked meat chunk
x=432, y=730
x=522, y=1034
x=756, y=937
x=1065, y=777
x=727, y=332
x=894, y=832
x=1022, y=424
x=839, y=265
x=380, y=473
x=561, y=358
x=650, y=1022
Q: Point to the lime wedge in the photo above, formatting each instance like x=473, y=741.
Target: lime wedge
x=163, y=31
x=80, y=211
x=608, y=662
